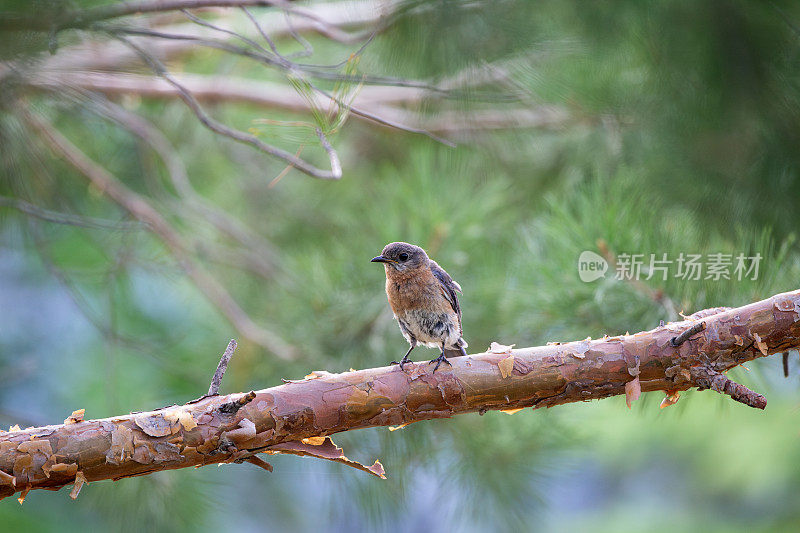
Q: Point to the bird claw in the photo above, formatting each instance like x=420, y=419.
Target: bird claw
x=439, y=360
x=401, y=362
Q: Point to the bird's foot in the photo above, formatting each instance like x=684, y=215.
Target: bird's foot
x=439, y=360
x=403, y=361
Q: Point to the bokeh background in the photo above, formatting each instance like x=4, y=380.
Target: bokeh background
x=675, y=128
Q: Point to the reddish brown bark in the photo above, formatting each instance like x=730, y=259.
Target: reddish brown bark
x=295, y=417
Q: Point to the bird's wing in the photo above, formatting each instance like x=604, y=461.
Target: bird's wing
x=449, y=287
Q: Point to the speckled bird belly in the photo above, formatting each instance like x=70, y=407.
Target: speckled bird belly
x=429, y=328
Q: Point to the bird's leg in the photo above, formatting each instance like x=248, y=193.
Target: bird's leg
x=439, y=360
x=405, y=357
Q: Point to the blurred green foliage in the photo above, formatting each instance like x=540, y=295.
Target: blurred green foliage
x=683, y=137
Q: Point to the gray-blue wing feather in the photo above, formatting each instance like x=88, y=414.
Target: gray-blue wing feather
x=450, y=287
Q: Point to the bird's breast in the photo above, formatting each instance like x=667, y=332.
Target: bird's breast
x=421, y=308
x=406, y=293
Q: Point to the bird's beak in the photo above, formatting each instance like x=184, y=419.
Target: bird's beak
x=380, y=259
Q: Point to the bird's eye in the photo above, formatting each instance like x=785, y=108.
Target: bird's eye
x=403, y=257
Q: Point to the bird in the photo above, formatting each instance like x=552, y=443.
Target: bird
x=424, y=301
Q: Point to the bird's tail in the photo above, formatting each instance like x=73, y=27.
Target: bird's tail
x=456, y=351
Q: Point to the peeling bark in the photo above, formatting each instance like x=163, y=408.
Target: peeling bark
x=296, y=417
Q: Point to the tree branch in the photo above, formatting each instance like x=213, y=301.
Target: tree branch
x=97, y=56
x=379, y=102
x=67, y=219
x=255, y=253
x=221, y=368
x=245, y=138
x=298, y=416
x=139, y=208
x=66, y=19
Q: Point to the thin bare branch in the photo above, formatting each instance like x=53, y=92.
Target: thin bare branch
x=218, y=127
x=336, y=166
x=257, y=255
x=306, y=45
x=261, y=31
x=104, y=55
x=204, y=88
x=237, y=35
x=320, y=21
x=380, y=119
x=138, y=344
x=139, y=208
x=69, y=18
x=66, y=218
x=378, y=101
x=221, y=368
x=316, y=71
x=307, y=48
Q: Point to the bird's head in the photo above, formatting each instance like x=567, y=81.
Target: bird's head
x=401, y=256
